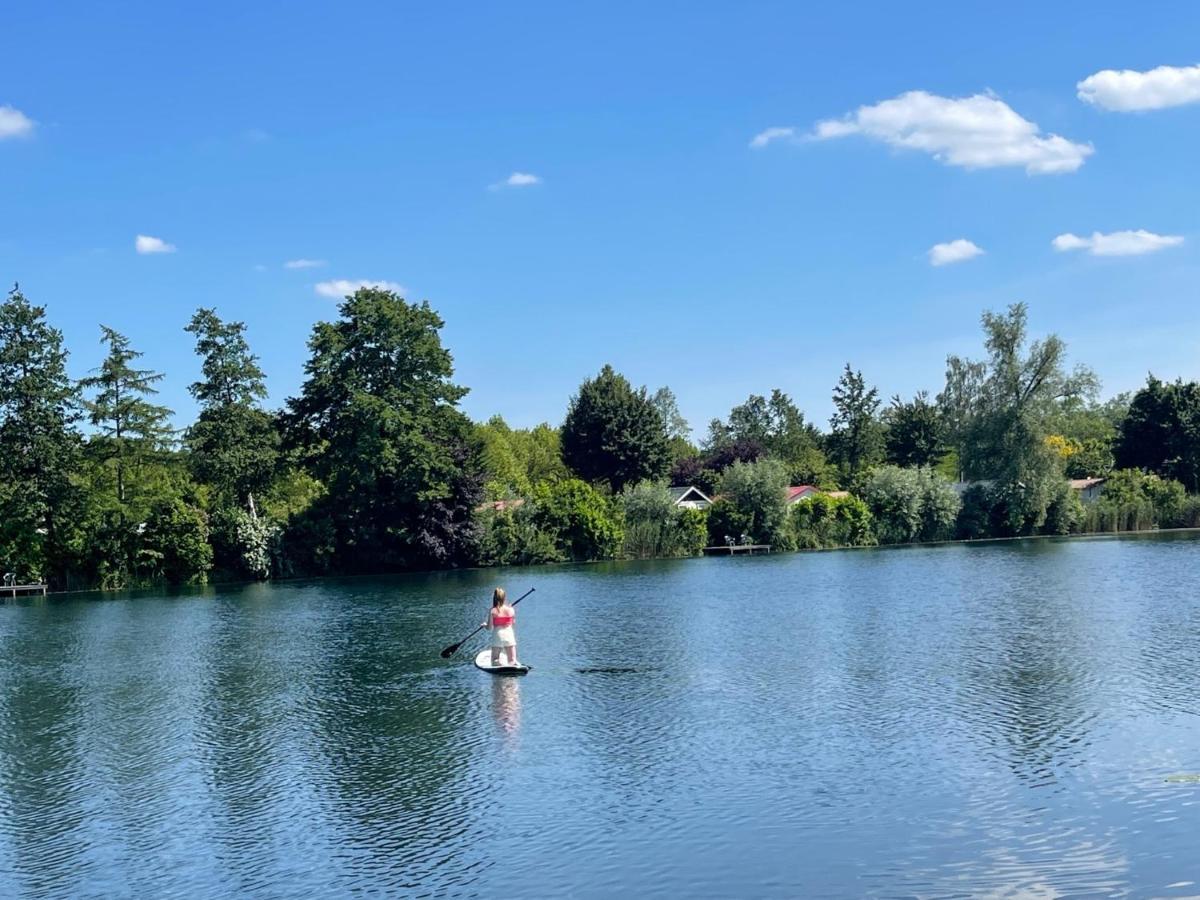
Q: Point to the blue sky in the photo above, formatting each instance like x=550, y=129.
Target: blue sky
x=379, y=139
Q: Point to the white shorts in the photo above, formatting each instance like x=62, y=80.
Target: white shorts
x=504, y=637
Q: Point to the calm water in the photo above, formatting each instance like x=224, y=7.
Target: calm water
x=1001, y=719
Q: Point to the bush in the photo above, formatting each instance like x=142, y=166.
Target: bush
x=753, y=505
x=175, y=544
x=656, y=527
x=822, y=521
x=911, y=505
x=976, y=517
x=583, y=522
x=510, y=538
x=1065, y=513
x=243, y=546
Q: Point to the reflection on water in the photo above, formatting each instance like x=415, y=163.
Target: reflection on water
x=1016, y=719
x=506, y=705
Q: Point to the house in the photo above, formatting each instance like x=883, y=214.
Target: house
x=798, y=492
x=690, y=497
x=1089, y=489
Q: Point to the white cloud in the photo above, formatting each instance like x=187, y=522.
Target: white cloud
x=304, y=263
x=765, y=137
x=341, y=287
x=977, y=132
x=1131, y=91
x=953, y=251
x=1118, y=243
x=146, y=244
x=14, y=123
x=516, y=180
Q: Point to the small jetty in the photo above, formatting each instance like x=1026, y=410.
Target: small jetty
x=10, y=588
x=733, y=549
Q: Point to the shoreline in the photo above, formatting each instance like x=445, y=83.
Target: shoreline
x=1100, y=535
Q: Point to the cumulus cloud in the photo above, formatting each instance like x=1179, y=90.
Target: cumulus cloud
x=765, y=137
x=341, y=287
x=1118, y=243
x=953, y=252
x=14, y=123
x=145, y=244
x=1132, y=91
x=977, y=132
x=304, y=263
x=516, y=180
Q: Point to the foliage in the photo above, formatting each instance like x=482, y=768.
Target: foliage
x=244, y=545
x=511, y=537
x=656, y=527
x=822, y=521
x=613, y=434
x=1162, y=431
x=584, y=524
x=1000, y=410
x=673, y=420
x=856, y=434
x=378, y=425
x=233, y=445
x=39, y=446
x=1089, y=458
x=517, y=460
x=760, y=427
x=1064, y=512
x=752, y=505
x=174, y=545
x=914, y=432
x=911, y=505
x=132, y=429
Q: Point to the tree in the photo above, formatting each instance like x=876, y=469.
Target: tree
x=911, y=505
x=676, y=425
x=856, y=436
x=233, y=444
x=613, y=434
x=132, y=427
x=772, y=426
x=753, y=505
x=656, y=527
x=517, y=460
x=378, y=424
x=39, y=446
x=1161, y=432
x=582, y=521
x=1015, y=394
x=914, y=432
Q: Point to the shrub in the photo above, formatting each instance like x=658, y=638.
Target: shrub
x=911, y=504
x=753, y=504
x=822, y=521
x=175, y=544
x=655, y=526
x=583, y=522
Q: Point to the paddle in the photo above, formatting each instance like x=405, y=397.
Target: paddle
x=453, y=648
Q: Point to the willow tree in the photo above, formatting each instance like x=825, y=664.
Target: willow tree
x=1005, y=404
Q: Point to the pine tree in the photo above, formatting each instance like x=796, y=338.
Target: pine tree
x=131, y=426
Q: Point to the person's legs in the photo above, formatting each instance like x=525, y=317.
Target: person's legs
x=512, y=654
x=495, y=655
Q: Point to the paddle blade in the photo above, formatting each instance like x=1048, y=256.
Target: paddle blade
x=450, y=651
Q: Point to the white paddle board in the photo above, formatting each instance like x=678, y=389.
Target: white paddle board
x=483, y=660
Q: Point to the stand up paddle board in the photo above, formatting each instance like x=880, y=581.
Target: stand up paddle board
x=483, y=660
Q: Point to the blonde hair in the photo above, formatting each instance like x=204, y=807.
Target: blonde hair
x=499, y=598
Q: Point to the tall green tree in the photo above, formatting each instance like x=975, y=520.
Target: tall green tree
x=1161, y=432
x=378, y=421
x=856, y=434
x=674, y=422
x=131, y=427
x=1004, y=437
x=778, y=427
x=613, y=433
x=233, y=445
x=39, y=445
x=914, y=432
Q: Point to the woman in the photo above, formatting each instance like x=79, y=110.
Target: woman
x=500, y=623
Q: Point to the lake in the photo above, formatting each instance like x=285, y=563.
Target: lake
x=1007, y=718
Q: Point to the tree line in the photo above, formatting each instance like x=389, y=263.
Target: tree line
x=373, y=467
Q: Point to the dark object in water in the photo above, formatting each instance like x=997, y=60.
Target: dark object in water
x=613, y=670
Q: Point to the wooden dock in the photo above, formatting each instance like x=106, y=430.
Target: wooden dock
x=732, y=549
x=16, y=590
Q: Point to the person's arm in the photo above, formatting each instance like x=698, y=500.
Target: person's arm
x=487, y=623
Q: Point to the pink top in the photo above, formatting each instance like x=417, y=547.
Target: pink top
x=502, y=621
